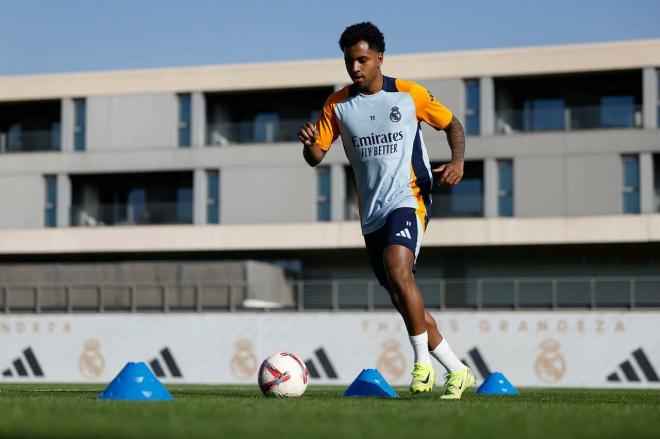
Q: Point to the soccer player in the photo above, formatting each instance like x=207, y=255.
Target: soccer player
x=379, y=120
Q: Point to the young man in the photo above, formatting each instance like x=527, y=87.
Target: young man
x=379, y=120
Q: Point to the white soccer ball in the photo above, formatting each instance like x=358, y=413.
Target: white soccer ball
x=283, y=375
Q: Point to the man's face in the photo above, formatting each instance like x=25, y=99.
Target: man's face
x=362, y=64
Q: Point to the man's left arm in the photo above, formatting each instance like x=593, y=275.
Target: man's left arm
x=452, y=172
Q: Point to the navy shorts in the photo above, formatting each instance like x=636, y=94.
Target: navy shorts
x=403, y=227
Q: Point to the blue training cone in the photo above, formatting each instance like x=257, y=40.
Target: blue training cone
x=370, y=383
x=496, y=384
x=136, y=382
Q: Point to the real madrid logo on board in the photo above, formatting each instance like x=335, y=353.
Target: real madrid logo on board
x=391, y=361
x=395, y=115
x=244, y=362
x=91, y=362
x=550, y=365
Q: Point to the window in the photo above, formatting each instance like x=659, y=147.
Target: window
x=79, y=124
x=544, y=114
x=472, y=107
x=184, y=205
x=184, y=120
x=656, y=182
x=657, y=72
x=617, y=111
x=505, y=188
x=630, y=183
x=323, y=191
x=213, y=199
x=351, y=207
x=463, y=200
x=50, y=207
x=266, y=127
x=137, y=203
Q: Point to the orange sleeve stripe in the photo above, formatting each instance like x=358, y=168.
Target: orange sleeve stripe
x=421, y=211
x=428, y=108
x=326, y=124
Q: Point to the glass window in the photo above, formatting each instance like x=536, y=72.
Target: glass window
x=617, y=111
x=505, y=188
x=544, y=114
x=213, y=199
x=50, y=208
x=656, y=182
x=472, y=107
x=463, y=200
x=79, y=124
x=352, y=210
x=137, y=201
x=184, y=120
x=630, y=183
x=184, y=205
x=323, y=198
x=266, y=127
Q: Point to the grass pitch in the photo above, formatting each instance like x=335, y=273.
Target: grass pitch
x=70, y=411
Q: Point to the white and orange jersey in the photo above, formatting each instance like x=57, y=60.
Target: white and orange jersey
x=382, y=137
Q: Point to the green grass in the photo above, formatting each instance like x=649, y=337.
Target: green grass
x=69, y=411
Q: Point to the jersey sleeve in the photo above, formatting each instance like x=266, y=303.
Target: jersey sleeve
x=327, y=125
x=427, y=107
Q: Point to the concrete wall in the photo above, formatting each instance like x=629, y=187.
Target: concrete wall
x=22, y=201
x=132, y=122
x=267, y=194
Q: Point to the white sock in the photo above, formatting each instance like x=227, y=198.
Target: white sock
x=446, y=357
x=420, y=345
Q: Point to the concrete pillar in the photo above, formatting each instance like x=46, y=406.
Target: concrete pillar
x=491, y=187
x=198, y=119
x=646, y=184
x=200, y=196
x=67, y=124
x=650, y=97
x=487, y=105
x=337, y=192
x=63, y=211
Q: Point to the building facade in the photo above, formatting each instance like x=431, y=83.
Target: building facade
x=562, y=174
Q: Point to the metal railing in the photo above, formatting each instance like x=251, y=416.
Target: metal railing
x=226, y=133
x=30, y=141
x=336, y=295
x=131, y=214
x=569, y=118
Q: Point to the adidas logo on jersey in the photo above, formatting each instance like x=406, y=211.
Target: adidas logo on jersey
x=630, y=374
x=405, y=233
x=169, y=362
x=477, y=364
x=323, y=359
x=20, y=369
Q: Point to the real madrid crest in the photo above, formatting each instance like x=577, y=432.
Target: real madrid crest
x=244, y=362
x=91, y=362
x=395, y=115
x=550, y=365
x=391, y=361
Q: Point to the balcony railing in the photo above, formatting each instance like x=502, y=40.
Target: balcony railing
x=131, y=214
x=567, y=119
x=336, y=295
x=30, y=141
x=226, y=133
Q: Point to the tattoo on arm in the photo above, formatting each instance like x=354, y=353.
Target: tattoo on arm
x=456, y=139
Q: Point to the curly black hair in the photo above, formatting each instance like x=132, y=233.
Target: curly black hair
x=366, y=31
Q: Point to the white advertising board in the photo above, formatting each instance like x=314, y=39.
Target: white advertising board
x=549, y=349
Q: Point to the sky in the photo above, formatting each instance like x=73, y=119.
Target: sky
x=51, y=36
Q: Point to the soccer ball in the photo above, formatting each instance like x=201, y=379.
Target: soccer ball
x=283, y=375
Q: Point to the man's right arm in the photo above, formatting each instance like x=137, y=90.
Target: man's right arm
x=312, y=153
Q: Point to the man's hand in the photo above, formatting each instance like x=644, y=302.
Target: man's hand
x=308, y=134
x=312, y=153
x=452, y=173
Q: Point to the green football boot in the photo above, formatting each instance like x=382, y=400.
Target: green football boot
x=423, y=378
x=457, y=382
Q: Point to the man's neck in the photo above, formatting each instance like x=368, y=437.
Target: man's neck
x=375, y=86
